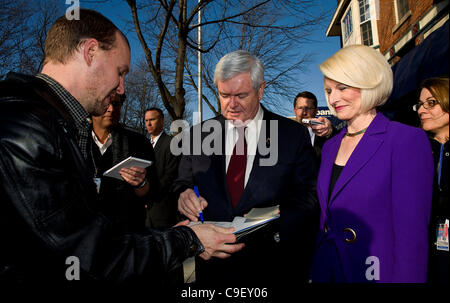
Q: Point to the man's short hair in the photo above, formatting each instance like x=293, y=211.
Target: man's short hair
x=238, y=62
x=160, y=112
x=65, y=36
x=362, y=67
x=306, y=95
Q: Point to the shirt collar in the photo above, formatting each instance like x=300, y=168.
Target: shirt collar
x=102, y=146
x=156, y=138
x=76, y=111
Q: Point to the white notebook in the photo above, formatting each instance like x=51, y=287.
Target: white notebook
x=128, y=162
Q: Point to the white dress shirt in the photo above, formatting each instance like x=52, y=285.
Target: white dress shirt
x=312, y=135
x=156, y=139
x=251, y=137
x=102, y=146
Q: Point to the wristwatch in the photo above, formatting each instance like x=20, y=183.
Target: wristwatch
x=142, y=184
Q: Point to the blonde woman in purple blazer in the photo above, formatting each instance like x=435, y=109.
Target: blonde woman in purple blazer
x=375, y=180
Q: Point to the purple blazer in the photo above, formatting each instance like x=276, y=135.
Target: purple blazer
x=384, y=195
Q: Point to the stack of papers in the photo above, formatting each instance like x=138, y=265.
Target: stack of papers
x=255, y=219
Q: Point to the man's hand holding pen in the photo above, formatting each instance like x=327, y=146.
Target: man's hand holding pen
x=191, y=205
x=217, y=241
x=201, y=212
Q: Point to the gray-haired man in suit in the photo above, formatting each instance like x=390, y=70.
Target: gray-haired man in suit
x=260, y=159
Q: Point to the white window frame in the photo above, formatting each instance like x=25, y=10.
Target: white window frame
x=367, y=20
x=368, y=11
x=369, y=33
x=346, y=34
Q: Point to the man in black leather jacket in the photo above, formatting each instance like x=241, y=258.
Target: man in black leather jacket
x=49, y=222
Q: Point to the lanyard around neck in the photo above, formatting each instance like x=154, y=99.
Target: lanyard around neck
x=441, y=155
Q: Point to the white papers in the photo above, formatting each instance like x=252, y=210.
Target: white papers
x=128, y=162
x=255, y=219
x=263, y=213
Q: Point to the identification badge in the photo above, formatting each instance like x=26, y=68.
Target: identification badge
x=98, y=182
x=442, y=236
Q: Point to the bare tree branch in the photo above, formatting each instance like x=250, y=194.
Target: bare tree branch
x=204, y=98
x=271, y=30
x=226, y=19
x=154, y=68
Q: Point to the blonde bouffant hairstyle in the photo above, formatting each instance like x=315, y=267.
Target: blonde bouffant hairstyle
x=362, y=67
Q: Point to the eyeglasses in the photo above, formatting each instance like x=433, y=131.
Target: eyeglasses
x=427, y=104
x=306, y=109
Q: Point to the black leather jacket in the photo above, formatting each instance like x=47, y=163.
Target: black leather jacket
x=48, y=202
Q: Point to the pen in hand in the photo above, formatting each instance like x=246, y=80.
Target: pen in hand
x=198, y=196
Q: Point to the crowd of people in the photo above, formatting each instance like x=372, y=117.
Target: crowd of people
x=367, y=203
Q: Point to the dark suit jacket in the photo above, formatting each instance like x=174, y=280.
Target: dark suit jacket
x=319, y=142
x=118, y=199
x=291, y=182
x=162, y=212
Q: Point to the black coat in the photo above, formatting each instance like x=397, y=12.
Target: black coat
x=319, y=142
x=47, y=202
x=163, y=210
x=439, y=260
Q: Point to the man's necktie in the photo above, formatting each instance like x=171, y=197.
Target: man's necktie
x=152, y=142
x=236, y=168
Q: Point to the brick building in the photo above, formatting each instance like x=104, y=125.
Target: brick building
x=399, y=29
x=392, y=26
x=404, y=24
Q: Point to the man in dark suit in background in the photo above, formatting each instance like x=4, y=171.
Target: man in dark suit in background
x=305, y=107
x=251, y=157
x=163, y=210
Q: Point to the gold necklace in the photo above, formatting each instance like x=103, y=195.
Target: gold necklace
x=362, y=131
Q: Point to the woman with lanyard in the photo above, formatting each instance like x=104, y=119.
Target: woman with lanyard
x=433, y=113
